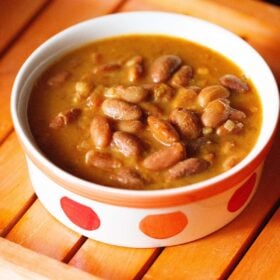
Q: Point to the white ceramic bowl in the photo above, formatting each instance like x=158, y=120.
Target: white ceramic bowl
x=136, y=218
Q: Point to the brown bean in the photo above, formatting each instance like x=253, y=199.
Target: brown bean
x=216, y=112
x=129, y=178
x=186, y=122
x=187, y=167
x=165, y=158
x=162, y=130
x=236, y=115
x=234, y=83
x=185, y=98
x=59, y=78
x=134, y=60
x=127, y=144
x=96, y=98
x=163, y=67
x=182, y=77
x=136, y=68
x=101, y=160
x=100, y=131
x=108, y=67
x=211, y=93
x=130, y=126
x=229, y=127
x=121, y=110
x=163, y=93
x=65, y=118
x=133, y=94
x=135, y=72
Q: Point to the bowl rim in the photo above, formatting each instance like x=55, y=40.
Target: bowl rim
x=93, y=190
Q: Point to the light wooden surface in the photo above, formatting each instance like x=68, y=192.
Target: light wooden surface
x=16, y=262
x=262, y=259
x=36, y=246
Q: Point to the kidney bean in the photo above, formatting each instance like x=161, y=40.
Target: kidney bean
x=236, y=115
x=182, y=77
x=100, y=131
x=129, y=178
x=133, y=126
x=121, y=110
x=96, y=98
x=128, y=144
x=162, y=130
x=134, y=60
x=162, y=93
x=234, y=83
x=101, y=160
x=229, y=127
x=187, y=167
x=165, y=158
x=186, y=122
x=216, y=112
x=136, y=68
x=59, y=78
x=211, y=93
x=163, y=67
x=108, y=67
x=185, y=98
x=132, y=94
x=63, y=119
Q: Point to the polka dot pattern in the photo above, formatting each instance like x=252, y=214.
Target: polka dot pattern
x=163, y=225
x=79, y=214
x=242, y=194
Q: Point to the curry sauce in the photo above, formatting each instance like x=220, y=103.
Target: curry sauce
x=144, y=112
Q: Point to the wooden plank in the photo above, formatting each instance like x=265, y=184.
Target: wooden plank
x=112, y=262
x=262, y=261
x=14, y=16
x=16, y=193
x=58, y=15
x=17, y=262
x=213, y=257
x=39, y=231
x=260, y=28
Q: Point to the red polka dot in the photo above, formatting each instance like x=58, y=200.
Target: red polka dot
x=241, y=195
x=79, y=214
x=163, y=225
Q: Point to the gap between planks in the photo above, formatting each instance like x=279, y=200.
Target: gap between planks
x=255, y=236
x=11, y=40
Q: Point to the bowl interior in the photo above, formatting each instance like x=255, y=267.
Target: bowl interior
x=186, y=27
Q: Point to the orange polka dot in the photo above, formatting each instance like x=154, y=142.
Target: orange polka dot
x=163, y=225
x=242, y=194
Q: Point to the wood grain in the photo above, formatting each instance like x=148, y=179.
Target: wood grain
x=112, y=262
x=14, y=16
x=18, y=263
x=56, y=16
x=262, y=261
x=213, y=257
x=42, y=233
x=16, y=193
x=259, y=28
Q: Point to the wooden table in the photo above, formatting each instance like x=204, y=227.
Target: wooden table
x=33, y=245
